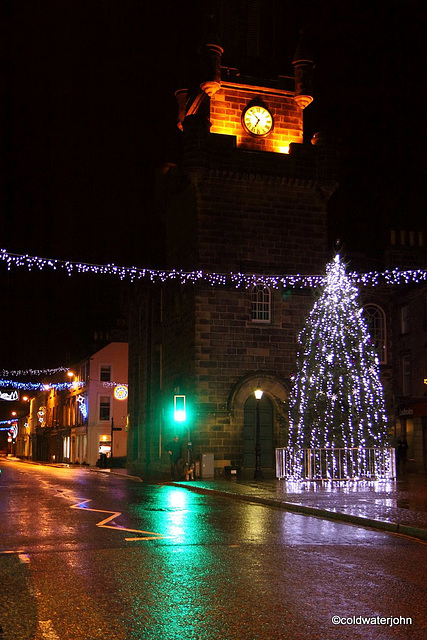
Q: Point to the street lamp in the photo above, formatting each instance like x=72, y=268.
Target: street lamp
x=258, y=393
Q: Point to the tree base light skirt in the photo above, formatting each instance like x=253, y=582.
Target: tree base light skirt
x=336, y=464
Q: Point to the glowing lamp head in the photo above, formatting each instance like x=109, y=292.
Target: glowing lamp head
x=258, y=393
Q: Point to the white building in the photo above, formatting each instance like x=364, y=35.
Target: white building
x=82, y=422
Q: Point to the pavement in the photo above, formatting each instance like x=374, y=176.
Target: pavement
x=398, y=506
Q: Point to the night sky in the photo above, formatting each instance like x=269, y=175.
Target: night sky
x=88, y=114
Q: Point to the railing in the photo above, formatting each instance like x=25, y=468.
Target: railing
x=336, y=464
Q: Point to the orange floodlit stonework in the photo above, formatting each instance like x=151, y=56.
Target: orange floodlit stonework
x=229, y=104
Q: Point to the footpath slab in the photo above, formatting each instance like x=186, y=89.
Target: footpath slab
x=396, y=506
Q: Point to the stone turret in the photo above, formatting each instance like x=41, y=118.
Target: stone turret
x=195, y=99
x=303, y=66
x=210, y=52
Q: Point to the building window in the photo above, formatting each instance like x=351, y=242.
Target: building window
x=376, y=320
x=261, y=304
x=66, y=448
x=105, y=373
x=104, y=408
x=406, y=374
x=404, y=319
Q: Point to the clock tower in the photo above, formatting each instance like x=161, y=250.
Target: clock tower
x=249, y=195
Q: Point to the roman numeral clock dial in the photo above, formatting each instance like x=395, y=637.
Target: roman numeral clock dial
x=257, y=121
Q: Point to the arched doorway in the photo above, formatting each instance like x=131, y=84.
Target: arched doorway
x=266, y=432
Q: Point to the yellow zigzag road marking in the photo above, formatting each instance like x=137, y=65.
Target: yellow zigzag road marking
x=115, y=514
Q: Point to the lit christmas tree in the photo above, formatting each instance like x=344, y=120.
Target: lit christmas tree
x=337, y=399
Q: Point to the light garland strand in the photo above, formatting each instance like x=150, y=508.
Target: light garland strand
x=58, y=386
x=40, y=386
x=50, y=372
x=392, y=277
x=108, y=385
x=32, y=372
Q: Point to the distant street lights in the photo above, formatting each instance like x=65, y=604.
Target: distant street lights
x=258, y=393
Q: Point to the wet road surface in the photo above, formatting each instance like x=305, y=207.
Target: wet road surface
x=90, y=556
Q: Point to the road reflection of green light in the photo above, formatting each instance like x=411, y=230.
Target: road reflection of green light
x=179, y=599
x=177, y=520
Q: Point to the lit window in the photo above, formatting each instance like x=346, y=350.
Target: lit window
x=104, y=408
x=406, y=374
x=105, y=373
x=376, y=320
x=261, y=304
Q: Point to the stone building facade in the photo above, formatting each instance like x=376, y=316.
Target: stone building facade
x=240, y=201
x=407, y=251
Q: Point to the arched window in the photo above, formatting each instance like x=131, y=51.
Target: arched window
x=375, y=318
x=261, y=304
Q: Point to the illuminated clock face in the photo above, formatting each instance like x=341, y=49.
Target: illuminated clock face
x=258, y=121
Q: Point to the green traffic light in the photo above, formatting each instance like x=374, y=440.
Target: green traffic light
x=179, y=412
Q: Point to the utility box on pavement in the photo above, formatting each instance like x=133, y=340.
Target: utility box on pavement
x=207, y=465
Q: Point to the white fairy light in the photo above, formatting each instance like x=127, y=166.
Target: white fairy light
x=392, y=277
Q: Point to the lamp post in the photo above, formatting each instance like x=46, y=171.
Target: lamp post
x=258, y=393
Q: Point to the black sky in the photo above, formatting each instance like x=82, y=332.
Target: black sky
x=88, y=113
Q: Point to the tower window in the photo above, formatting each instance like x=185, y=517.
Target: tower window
x=261, y=304
x=376, y=320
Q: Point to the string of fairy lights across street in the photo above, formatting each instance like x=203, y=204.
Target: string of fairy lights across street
x=7, y=381
x=48, y=386
x=295, y=281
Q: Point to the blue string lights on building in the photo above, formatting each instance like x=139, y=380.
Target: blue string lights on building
x=40, y=386
x=81, y=401
x=9, y=423
x=392, y=277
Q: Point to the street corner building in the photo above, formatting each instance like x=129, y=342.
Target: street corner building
x=80, y=416
x=249, y=195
